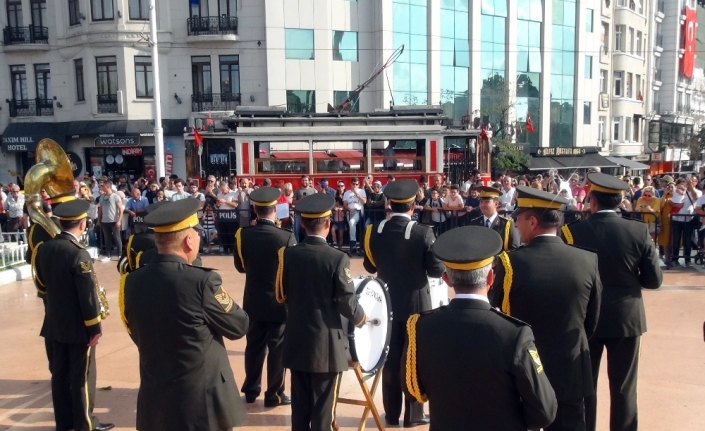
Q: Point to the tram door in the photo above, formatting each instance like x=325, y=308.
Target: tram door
x=219, y=158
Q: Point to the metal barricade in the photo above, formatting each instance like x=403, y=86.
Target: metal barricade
x=684, y=237
x=12, y=255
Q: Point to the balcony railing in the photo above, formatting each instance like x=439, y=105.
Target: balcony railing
x=685, y=81
x=31, y=108
x=301, y=108
x=211, y=25
x=107, y=104
x=25, y=35
x=214, y=102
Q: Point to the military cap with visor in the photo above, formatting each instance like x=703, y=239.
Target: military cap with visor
x=175, y=216
x=265, y=196
x=317, y=205
x=72, y=210
x=402, y=191
x=531, y=198
x=468, y=247
x=488, y=192
x=604, y=183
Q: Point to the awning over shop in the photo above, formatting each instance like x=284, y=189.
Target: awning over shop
x=26, y=136
x=631, y=164
x=584, y=161
x=123, y=127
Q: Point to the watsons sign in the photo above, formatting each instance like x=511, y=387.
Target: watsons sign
x=117, y=141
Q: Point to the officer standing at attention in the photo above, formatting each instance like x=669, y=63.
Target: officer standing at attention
x=178, y=315
x=399, y=251
x=72, y=320
x=478, y=368
x=314, y=281
x=504, y=226
x=556, y=289
x=256, y=255
x=628, y=261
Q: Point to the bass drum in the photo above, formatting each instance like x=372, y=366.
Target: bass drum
x=369, y=345
x=439, y=292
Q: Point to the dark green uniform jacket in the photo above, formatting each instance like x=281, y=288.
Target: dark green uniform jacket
x=505, y=227
x=178, y=315
x=628, y=261
x=318, y=287
x=480, y=370
x=256, y=255
x=556, y=289
x=137, y=244
x=65, y=270
x=404, y=264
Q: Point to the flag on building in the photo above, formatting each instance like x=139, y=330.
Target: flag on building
x=529, y=124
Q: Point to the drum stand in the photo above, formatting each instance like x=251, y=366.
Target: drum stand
x=368, y=403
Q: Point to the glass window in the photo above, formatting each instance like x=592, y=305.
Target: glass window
x=409, y=27
x=199, y=8
x=299, y=44
x=616, y=124
x=618, y=37
x=637, y=87
x=639, y=39
x=102, y=10
x=588, y=66
x=230, y=74
x=628, y=86
x=601, y=129
x=18, y=76
x=589, y=19
x=227, y=8
x=348, y=99
x=603, y=81
x=39, y=12
x=201, y=76
x=344, y=45
x=78, y=67
x=143, y=76
x=74, y=12
x=139, y=10
x=587, y=112
x=301, y=101
x=107, y=75
x=617, y=84
x=14, y=13
x=628, y=129
x=632, y=40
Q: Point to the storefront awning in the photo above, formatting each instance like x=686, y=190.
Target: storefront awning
x=631, y=164
x=585, y=161
x=123, y=127
x=25, y=136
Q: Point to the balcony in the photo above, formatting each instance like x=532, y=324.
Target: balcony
x=31, y=108
x=214, y=102
x=107, y=103
x=212, y=29
x=30, y=38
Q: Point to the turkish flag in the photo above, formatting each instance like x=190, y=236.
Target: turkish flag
x=483, y=133
x=197, y=137
x=529, y=124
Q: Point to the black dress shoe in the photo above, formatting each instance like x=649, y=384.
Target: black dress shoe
x=280, y=400
x=103, y=427
x=423, y=421
x=391, y=422
x=249, y=399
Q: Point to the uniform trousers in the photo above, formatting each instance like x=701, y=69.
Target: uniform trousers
x=570, y=416
x=262, y=337
x=73, y=386
x=313, y=400
x=392, y=391
x=622, y=368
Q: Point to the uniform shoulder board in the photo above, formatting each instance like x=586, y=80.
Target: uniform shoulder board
x=510, y=318
x=78, y=244
x=476, y=218
x=504, y=217
x=426, y=313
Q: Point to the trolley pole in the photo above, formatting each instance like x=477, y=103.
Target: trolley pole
x=158, y=131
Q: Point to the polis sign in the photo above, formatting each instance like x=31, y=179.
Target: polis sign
x=117, y=141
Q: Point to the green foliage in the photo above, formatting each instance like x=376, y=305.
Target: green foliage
x=696, y=145
x=506, y=157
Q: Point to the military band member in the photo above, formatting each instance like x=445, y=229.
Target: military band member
x=628, y=262
x=256, y=255
x=138, y=244
x=314, y=281
x=504, y=226
x=478, y=368
x=399, y=251
x=72, y=321
x=178, y=315
x=556, y=289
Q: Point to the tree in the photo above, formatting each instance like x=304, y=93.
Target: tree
x=507, y=157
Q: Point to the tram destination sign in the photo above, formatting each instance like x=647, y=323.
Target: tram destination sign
x=117, y=141
x=560, y=151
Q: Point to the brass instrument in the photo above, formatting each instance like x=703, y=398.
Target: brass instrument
x=52, y=172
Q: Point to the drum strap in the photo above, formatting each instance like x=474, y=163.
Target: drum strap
x=121, y=302
x=507, y=285
x=368, y=250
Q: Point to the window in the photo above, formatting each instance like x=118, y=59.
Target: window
x=621, y=2
x=14, y=13
x=74, y=12
x=39, y=13
x=589, y=18
x=628, y=129
x=618, y=29
x=102, y=10
x=637, y=88
x=301, y=101
x=78, y=67
x=409, y=27
x=230, y=74
x=339, y=98
x=42, y=81
x=199, y=8
x=618, y=84
x=587, y=112
x=227, y=8
x=588, y=66
x=344, y=45
x=603, y=81
x=601, y=131
x=139, y=10
x=636, y=137
x=616, y=124
x=201, y=75
x=631, y=40
x=18, y=76
x=605, y=37
x=143, y=76
x=639, y=41
x=628, y=86
x=107, y=75
x=298, y=44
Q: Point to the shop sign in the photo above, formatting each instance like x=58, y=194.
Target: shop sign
x=641, y=158
x=117, y=141
x=17, y=143
x=76, y=164
x=559, y=151
x=656, y=157
x=132, y=151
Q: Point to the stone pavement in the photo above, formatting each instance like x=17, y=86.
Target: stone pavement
x=671, y=378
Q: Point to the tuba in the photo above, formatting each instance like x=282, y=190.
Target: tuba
x=52, y=172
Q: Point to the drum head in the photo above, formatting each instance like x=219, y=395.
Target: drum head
x=370, y=344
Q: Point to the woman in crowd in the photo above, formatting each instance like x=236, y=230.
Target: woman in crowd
x=664, y=237
x=626, y=205
x=338, y=223
x=650, y=207
x=209, y=234
x=577, y=190
x=160, y=196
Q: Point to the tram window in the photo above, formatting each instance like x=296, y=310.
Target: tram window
x=399, y=156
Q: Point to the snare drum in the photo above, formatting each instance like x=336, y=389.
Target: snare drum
x=369, y=345
x=439, y=292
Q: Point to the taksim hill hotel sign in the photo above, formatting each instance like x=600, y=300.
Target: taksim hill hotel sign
x=17, y=143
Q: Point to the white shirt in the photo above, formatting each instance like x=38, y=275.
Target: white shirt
x=491, y=219
x=472, y=296
x=688, y=203
x=230, y=196
x=507, y=196
x=352, y=200
x=405, y=215
x=14, y=207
